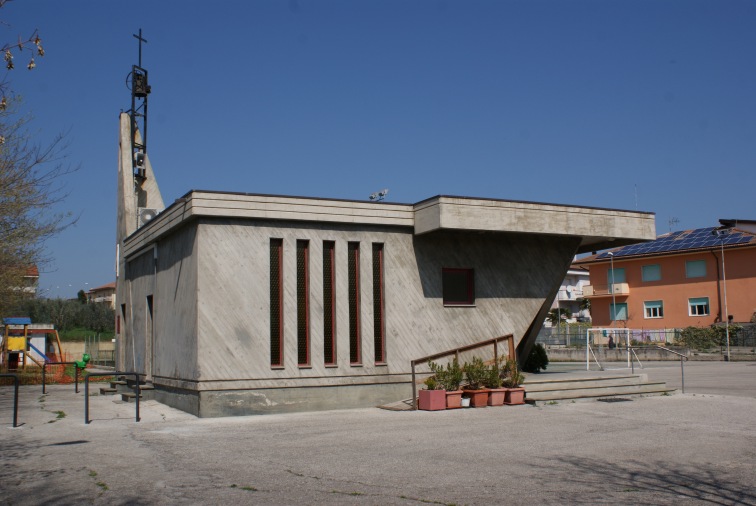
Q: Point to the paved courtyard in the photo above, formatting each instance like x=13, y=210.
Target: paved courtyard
x=681, y=449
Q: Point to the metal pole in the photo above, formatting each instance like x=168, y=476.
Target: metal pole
x=682, y=374
x=86, y=400
x=414, y=387
x=726, y=315
x=76, y=378
x=611, y=287
x=16, y=382
x=136, y=376
x=15, y=401
x=44, y=367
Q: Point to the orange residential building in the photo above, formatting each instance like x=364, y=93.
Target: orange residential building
x=678, y=280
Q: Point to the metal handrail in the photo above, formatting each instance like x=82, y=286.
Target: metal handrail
x=76, y=375
x=15, y=395
x=682, y=358
x=115, y=373
x=456, y=351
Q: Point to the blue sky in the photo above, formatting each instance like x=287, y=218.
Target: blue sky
x=628, y=104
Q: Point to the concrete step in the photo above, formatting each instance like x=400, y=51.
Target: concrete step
x=108, y=391
x=589, y=392
x=578, y=383
x=116, y=383
x=130, y=397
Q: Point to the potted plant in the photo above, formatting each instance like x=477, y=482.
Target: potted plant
x=476, y=373
x=496, y=394
x=433, y=398
x=450, y=378
x=513, y=378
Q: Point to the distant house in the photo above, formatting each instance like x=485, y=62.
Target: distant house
x=678, y=280
x=570, y=293
x=30, y=281
x=104, y=294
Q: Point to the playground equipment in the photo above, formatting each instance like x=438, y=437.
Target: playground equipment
x=25, y=344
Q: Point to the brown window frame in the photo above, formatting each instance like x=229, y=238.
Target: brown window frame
x=303, y=303
x=379, y=324
x=329, y=303
x=276, y=299
x=469, y=300
x=355, y=335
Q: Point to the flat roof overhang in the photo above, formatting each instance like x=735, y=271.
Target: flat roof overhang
x=598, y=228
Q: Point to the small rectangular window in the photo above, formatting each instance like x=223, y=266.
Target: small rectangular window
x=618, y=277
x=303, y=303
x=378, y=322
x=651, y=272
x=653, y=309
x=618, y=311
x=353, y=273
x=276, y=302
x=695, y=268
x=329, y=303
x=698, y=306
x=458, y=287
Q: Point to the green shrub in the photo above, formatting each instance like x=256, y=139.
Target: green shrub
x=476, y=372
x=448, y=378
x=537, y=359
x=705, y=338
x=512, y=376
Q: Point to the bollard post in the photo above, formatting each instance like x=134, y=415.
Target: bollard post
x=44, y=368
x=86, y=399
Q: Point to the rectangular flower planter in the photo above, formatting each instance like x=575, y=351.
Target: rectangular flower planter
x=496, y=396
x=432, y=400
x=478, y=398
x=515, y=396
x=453, y=399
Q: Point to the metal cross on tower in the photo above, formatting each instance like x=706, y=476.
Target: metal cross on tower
x=140, y=39
x=139, y=91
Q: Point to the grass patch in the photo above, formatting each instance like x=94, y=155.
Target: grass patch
x=102, y=485
x=552, y=403
x=92, y=473
x=81, y=333
x=59, y=415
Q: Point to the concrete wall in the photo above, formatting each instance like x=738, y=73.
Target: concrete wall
x=514, y=275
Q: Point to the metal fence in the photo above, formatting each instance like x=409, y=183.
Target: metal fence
x=100, y=355
x=746, y=337
x=574, y=337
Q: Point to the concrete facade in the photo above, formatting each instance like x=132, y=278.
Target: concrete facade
x=194, y=291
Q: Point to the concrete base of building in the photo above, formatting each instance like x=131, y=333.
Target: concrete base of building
x=218, y=403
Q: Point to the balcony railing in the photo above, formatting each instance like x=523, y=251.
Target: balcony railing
x=606, y=290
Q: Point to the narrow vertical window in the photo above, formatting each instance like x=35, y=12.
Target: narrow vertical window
x=121, y=316
x=353, y=267
x=329, y=303
x=378, y=321
x=276, y=303
x=303, y=303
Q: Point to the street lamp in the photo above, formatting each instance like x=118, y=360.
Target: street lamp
x=721, y=235
x=611, y=287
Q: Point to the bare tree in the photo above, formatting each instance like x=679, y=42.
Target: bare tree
x=31, y=186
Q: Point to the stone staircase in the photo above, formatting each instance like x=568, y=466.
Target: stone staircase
x=591, y=387
x=127, y=390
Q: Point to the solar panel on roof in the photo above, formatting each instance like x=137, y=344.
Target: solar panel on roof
x=700, y=238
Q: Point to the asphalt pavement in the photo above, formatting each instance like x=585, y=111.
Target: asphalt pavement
x=679, y=449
